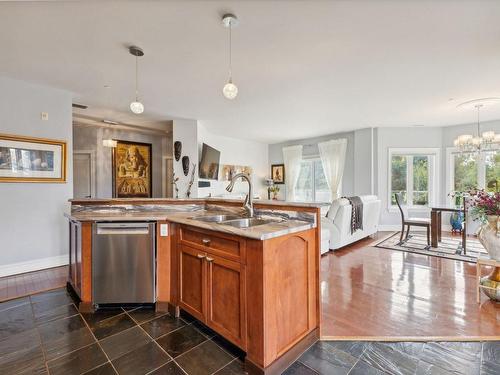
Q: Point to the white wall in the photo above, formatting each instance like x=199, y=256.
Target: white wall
x=236, y=152
x=33, y=231
x=186, y=131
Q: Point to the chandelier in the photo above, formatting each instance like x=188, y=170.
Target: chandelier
x=486, y=141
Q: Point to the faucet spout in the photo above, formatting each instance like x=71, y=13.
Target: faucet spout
x=248, y=204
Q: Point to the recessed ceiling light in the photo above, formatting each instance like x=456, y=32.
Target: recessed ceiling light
x=110, y=122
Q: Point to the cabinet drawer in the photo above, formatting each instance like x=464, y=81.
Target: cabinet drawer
x=229, y=247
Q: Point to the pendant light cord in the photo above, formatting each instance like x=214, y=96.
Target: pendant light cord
x=230, y=53
x=136, y=79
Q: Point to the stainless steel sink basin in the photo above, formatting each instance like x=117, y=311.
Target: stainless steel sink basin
x=247, y=222
x=216, y=218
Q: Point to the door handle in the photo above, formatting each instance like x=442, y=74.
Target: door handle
x=209, y=260
x=205, y=241
x=201, y=256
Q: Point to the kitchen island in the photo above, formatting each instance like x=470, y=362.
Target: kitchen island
x=254, y=281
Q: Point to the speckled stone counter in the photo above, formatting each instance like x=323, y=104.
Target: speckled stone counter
x=283, y=220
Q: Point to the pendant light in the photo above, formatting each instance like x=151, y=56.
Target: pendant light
x=136, y=106
x=230, y=90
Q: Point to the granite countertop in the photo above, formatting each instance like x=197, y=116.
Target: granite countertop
x=181, y=201
x=278, y=227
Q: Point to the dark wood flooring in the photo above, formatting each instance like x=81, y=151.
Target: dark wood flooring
x=45, y=334
x=32, y=282
x=380, y=294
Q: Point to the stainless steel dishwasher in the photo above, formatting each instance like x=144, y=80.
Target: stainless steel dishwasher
x=123, y=263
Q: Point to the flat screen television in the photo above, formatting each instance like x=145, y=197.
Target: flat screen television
x=209, y=163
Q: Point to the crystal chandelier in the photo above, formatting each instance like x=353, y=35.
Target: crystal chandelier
x=487, y=141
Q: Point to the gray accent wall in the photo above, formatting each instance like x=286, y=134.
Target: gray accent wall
x=89, y=138
x=34, y=232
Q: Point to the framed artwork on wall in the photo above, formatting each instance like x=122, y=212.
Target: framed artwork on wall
x=28, y=159
x=132, y=172
x=278, y=173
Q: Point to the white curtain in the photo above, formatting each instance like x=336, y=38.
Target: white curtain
x=292, y=156
x=332, y=155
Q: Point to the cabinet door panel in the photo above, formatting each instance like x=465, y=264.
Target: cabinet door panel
x=192, y=284
x=226, y=299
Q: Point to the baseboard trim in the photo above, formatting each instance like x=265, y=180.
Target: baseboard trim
x=33, y=265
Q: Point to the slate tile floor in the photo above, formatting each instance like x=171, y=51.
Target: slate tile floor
x=45, y=334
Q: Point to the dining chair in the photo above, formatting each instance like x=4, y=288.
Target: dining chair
x=409, y=222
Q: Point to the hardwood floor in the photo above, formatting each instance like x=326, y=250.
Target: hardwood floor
x=32, y=282
x=374, y=293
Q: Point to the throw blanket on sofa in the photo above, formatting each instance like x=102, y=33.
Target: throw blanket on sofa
x=356, y=213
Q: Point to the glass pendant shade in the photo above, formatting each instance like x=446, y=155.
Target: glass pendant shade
x=230, y=90
x=137, y=107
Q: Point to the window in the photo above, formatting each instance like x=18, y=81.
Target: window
x=412, y=174
x=469, y=171
x=312, y=185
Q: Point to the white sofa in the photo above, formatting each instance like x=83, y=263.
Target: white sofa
x=337, y=223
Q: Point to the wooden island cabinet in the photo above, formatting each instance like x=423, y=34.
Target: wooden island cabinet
x=259, y=289
x=260, y=295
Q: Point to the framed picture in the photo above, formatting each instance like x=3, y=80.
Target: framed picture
x=132, y=172
x=278, y=173
x=228, y=171
x=27, y=159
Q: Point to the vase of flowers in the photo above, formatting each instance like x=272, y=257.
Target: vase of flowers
x=485, y=206
x=274, y=190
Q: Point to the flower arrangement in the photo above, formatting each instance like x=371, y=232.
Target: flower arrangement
x=483, y=204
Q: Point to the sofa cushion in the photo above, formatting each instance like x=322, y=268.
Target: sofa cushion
x=335, y=207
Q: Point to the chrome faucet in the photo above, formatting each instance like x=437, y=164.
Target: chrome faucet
x=248, y=204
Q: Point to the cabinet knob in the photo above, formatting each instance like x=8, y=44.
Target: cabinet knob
x=210, y=259
x=201, y=256
x=205, y=241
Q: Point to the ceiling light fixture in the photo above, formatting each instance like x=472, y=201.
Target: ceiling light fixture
x=230, y=90
x=109, y=143
x=136, y=106
x=487, y=141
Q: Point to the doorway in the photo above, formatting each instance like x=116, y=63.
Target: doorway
x=83, y=174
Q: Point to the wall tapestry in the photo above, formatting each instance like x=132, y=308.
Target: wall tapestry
x=27, y=159
x=228, y=171
x=132, y=174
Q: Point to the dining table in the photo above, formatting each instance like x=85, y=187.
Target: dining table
x=436, y=221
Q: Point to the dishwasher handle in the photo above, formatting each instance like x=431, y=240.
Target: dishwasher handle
x=122, y=228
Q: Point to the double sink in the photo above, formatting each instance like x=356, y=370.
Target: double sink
x=235, y=221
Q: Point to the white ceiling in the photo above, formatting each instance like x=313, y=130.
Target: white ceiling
x=303, y=68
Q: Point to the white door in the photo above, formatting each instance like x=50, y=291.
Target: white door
x=82, y=175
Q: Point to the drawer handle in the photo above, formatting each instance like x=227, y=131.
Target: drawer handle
x=210, y=259
x=201, y=256
x=205, y=241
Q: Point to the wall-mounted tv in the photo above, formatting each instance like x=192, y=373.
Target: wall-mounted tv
x=209, y=163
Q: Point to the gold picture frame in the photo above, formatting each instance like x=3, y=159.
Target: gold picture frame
x=31, y=159
x=132, y=170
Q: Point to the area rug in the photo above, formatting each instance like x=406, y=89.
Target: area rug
x=449, y=247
